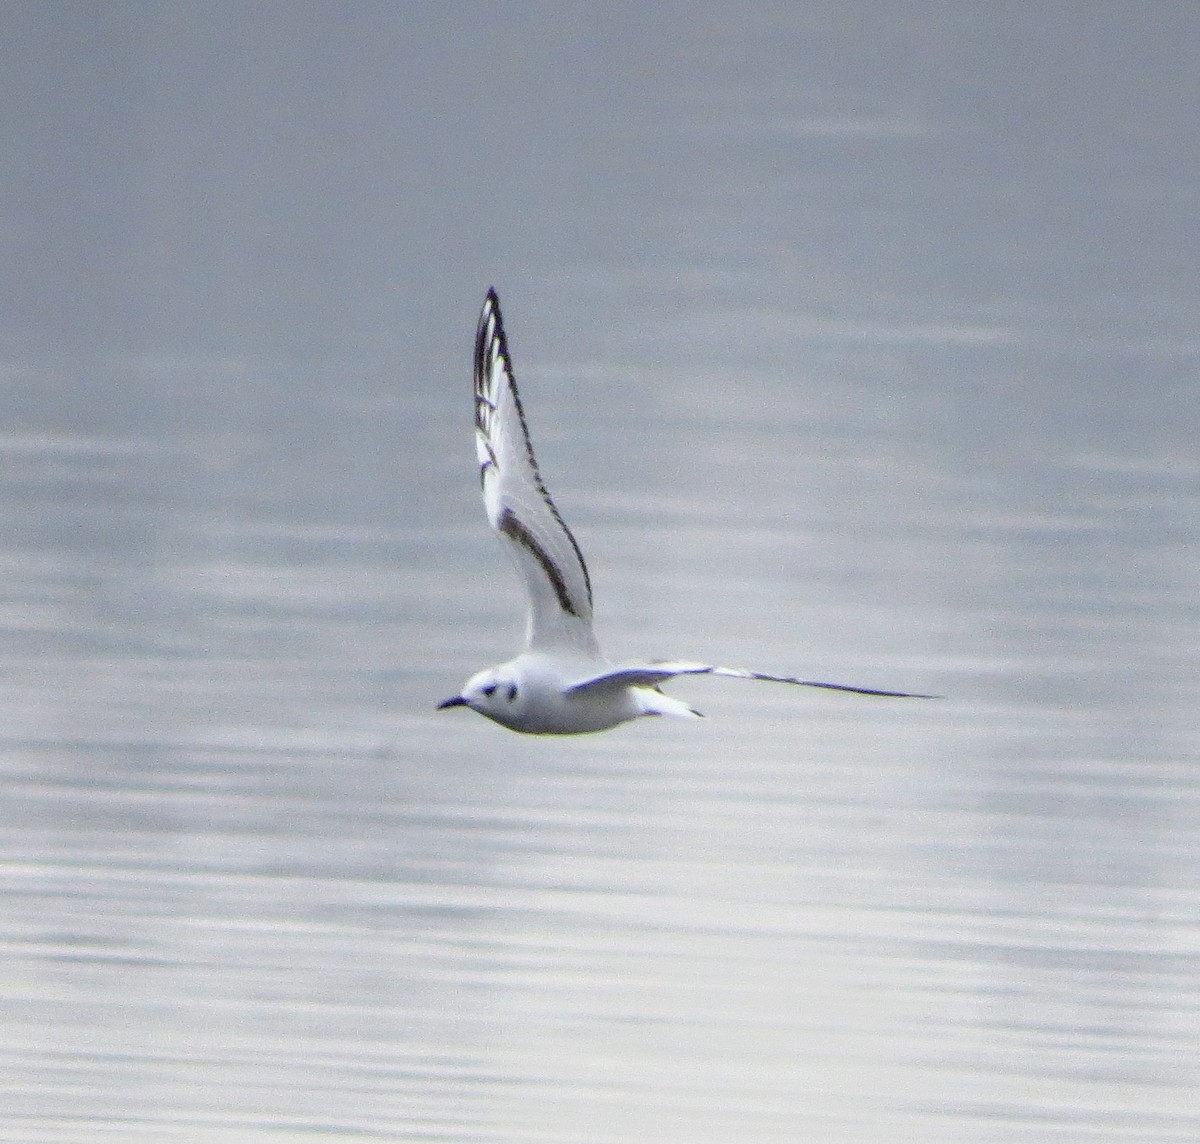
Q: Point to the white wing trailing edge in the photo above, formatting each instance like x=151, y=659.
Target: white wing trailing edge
x=518, y=505
x=652, y=674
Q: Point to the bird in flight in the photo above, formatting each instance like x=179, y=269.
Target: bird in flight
x=560, y=684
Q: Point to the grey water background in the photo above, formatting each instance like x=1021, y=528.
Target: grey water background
x=858, y=341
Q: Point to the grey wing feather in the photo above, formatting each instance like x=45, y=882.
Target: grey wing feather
x=518, y=505
x=652, y=674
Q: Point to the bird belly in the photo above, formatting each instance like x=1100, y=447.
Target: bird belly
x=553, y=713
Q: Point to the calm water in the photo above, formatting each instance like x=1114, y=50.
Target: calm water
x=856, y=342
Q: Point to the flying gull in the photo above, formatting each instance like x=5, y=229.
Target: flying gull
x=560, y=684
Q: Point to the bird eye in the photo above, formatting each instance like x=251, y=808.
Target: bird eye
x=489, y=690
x=512, y=692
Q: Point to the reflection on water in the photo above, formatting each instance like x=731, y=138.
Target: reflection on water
x=253, y=888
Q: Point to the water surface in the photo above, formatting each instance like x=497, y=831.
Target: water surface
x=857, y=342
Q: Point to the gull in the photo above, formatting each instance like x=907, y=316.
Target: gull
x=560, y=684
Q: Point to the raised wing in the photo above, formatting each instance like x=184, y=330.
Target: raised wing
x=652, y=674
x=518, y=506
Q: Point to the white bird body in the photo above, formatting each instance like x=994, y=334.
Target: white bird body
x=534, y=693
x=560, y=684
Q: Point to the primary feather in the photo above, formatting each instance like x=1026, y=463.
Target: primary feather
x=518, y=505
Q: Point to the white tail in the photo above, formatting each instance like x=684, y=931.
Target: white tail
x=652, y=702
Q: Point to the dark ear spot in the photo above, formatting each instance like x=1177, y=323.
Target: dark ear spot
x=512, y=692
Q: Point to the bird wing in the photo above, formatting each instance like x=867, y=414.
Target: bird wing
x=518, y=506
x=652, y=674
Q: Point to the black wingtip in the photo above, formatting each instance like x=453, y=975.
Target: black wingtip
x=491, y=306
x=875, y=691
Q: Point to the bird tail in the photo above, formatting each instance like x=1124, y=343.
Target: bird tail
x=651, y=701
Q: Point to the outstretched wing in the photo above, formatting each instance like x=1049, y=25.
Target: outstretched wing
x=652, y=674
x=518, y=506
